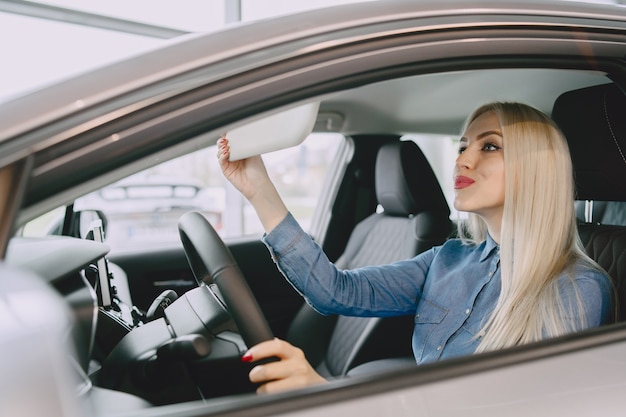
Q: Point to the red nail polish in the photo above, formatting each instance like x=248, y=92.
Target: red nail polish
x=246, y=358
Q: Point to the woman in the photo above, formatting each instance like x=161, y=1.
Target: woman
x=517, y=274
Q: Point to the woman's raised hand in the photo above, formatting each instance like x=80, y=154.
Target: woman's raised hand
x=250, y=177
x=247, y=175
x=292, y=371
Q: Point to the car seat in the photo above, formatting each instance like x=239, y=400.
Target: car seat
x=415, y=216
x=593, y=120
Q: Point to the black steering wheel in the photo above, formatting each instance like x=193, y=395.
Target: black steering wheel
x=212, y=263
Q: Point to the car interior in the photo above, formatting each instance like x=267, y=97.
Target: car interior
x=389, y=205
x=414, y=218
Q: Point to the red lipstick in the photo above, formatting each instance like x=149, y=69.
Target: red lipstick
x=462, y=182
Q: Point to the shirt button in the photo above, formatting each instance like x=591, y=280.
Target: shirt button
x=439, y=347
x=467, y=311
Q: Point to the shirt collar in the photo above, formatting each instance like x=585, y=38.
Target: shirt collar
x=490, y=246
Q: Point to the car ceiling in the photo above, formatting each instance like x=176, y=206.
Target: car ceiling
x=439, y=103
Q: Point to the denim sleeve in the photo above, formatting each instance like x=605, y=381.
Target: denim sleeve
x=370, y=291
x=596, y=294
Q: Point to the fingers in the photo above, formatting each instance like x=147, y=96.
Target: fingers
x=286, y=384
x=290, y=372
x=279, y=370
x=223, y=149
x=268, y=349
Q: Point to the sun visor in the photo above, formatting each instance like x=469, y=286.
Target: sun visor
x=276, y=131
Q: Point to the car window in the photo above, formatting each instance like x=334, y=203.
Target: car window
x=47, y=224
x=144, y=209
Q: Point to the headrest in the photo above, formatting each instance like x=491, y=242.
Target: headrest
x=405, y=182
x=593, y=120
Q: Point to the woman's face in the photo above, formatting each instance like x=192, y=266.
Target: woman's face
x=479, y=170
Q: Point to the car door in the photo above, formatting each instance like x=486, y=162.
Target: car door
x=417, y=40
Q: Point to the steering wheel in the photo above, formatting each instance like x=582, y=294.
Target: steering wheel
x=211, y=262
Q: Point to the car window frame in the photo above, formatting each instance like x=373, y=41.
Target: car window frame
x=158, y=126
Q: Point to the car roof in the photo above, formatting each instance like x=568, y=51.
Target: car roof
x=187, y=53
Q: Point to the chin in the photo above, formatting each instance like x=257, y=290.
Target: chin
x=460, y=205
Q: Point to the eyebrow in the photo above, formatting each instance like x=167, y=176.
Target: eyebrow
x=483, y=135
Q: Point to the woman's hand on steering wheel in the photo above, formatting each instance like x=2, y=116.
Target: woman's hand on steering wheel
x=292, y=371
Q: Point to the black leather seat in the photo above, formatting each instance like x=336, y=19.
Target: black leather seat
x=607, y=245
x=594, y=122
x=415, y=217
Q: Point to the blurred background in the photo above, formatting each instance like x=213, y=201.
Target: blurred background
x=43, y=41
x=49, y=40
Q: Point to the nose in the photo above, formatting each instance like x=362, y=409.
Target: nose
x=465, y=160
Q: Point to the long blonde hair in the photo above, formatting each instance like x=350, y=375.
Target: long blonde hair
x=539, y=238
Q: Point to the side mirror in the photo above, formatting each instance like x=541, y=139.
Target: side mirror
x=79, y=224
x=82, y=221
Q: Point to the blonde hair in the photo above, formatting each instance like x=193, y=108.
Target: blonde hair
x=539, y=236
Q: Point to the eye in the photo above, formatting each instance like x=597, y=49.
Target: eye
x=462, y=149
x=491, y=147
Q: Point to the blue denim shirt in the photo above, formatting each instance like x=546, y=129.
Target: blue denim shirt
x=451, y=289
